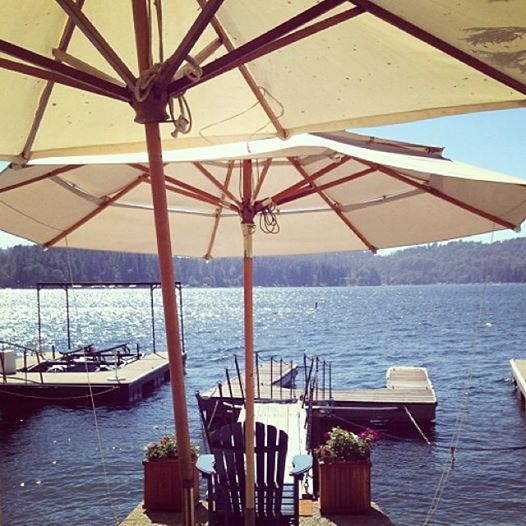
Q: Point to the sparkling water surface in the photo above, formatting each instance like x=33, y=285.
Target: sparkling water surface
x=52, y=471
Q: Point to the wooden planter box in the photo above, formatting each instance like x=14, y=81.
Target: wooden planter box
x=345, y=487
x=162, y=485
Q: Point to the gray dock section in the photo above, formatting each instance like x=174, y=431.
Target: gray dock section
x=518, y=368
x=128, y=383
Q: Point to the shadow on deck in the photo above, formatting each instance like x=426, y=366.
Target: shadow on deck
x=376, y=517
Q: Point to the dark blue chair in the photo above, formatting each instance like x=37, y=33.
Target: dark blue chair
x=277, y=501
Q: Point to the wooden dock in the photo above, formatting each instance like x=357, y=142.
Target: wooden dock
x=408, y=396
x=128, y=383
x=408, y=391
x=518, y=368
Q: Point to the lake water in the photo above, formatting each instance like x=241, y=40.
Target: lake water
x=53, y=472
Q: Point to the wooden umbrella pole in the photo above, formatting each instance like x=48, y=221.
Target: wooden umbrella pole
x=164, y=247
x=248, y=285
x=173, y=339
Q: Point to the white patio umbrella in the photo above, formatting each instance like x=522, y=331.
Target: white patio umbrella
x=334, y=192
x=325, y=193
x=240, y=70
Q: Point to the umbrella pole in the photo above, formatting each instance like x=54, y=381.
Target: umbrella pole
x=146, y=113
x=175, y=358
x=248, y=285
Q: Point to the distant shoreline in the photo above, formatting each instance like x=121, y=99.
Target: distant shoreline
x=460, y=262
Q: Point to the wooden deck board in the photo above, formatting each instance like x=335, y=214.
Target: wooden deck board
x=384, y=395
x=290, y=418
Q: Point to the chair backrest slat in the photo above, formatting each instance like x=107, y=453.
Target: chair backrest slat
x=261, y=485
x=228, y=446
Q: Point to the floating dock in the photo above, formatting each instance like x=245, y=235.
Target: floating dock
x=408, y=396
x=518, y=368
x=128, y=383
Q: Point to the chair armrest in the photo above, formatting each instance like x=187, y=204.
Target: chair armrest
x=300, y=465
x=205, y=464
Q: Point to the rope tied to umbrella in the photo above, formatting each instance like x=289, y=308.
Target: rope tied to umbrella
x=268, y=219
x=153, y=86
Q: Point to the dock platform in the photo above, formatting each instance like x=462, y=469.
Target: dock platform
x=129, y=383
x=408, y=396
x=408, y=390
x=518, y=368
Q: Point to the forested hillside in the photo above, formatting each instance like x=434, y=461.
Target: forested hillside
x=457, y=262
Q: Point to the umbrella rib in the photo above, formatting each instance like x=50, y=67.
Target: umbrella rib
x=291, y=190
x=440, y=44
x=58, y=72
x=447, y=198
x=223, y=37
x=335, y=207
x=187, y=189
x=199, y=195
x=75, y=62
x=46, y=92
x=107, y=202
x=262, y=177
x=218, y=213
x=48, y=175
x=93, y=35
x=172, y=64
x=253, y=49
x=214, y=181
x=304, y=192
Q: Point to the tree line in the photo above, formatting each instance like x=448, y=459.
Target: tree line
x=456, y=262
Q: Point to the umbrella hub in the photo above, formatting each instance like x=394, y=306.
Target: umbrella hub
x=148, y=101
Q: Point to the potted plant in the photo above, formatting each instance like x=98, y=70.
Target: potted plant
x=162, y=478
x=345, y=471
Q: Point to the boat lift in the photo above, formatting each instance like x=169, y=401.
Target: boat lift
x=151, y=285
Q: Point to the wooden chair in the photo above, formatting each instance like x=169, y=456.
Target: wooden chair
x=277, y=501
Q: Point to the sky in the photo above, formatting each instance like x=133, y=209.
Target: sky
x=494, y=140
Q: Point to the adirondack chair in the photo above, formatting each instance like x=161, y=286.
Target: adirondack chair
x=277, y=501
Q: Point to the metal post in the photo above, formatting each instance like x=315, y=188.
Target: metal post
x=271, y=376
x=330, y=380
x=316, y=375
x=68, y=324
x=228, y=382
x=39, y=315
x=239, y=380
x=257, y=375
x=323, y=381
x=281, y=379
x=152, y=312
x=181, y=315
x=291, y=383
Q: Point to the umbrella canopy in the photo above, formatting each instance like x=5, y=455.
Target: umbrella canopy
x=335, y=192
x=248, y=69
